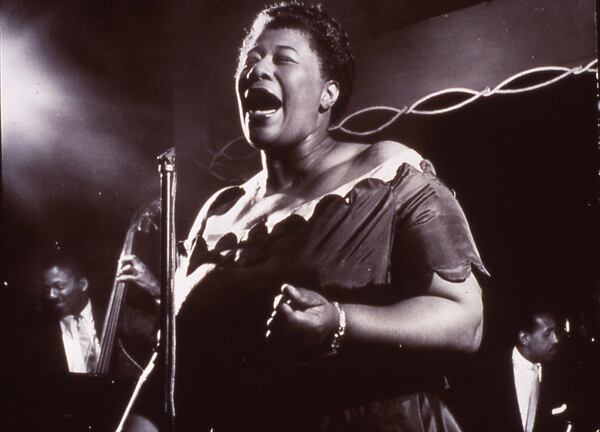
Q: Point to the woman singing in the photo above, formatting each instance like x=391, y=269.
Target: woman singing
x=321, y=294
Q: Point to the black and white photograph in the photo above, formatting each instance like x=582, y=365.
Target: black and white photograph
x=300, y=216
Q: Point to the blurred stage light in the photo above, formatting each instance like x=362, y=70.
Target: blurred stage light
x=32, y=92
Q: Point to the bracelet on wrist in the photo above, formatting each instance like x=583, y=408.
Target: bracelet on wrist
x=338, y=336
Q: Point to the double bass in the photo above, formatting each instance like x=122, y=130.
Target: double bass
x=130, y=324
x=135, y=330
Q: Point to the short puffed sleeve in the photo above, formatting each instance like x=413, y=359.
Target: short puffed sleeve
x=431, y=231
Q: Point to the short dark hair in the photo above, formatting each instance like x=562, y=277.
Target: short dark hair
x=326, y=36
x=65, y=261
x=528, y=323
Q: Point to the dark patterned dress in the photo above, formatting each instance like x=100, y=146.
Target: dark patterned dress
x=365, y=243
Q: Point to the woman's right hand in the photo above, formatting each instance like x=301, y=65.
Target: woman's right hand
x=305, y=316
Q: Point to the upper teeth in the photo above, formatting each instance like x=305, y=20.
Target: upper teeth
x=263, y=112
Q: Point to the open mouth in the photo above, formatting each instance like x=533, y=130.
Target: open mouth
x=260, y=102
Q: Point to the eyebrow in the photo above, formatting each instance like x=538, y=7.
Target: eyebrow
x=286, y=47
x=258, y=48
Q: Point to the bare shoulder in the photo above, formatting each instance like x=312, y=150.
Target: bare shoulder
x=389, y=148
x=381, y=151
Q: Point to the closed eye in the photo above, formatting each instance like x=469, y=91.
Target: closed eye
x=252, y=56
x=251, y=61
x=280, y=58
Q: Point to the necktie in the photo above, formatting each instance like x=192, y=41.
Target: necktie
x=88, y=345
x=533, y=398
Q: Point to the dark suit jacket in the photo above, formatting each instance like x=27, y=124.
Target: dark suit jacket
x=139, y=320
x=43, y=396
x=493, y=400
x=48, y=352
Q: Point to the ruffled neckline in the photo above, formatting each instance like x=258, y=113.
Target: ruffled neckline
x=219, y=225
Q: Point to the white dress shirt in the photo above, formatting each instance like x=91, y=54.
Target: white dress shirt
x=527, y=376
x=71, y=338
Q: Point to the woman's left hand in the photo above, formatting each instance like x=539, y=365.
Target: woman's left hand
x=304, y=315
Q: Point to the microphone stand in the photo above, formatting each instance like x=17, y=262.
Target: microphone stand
x=168, y=263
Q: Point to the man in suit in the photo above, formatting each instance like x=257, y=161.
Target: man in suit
x=69, y=340
x=65, y=334
x=63, y=347
x=520, y=392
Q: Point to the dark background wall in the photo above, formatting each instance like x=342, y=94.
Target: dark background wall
x=93, y=91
